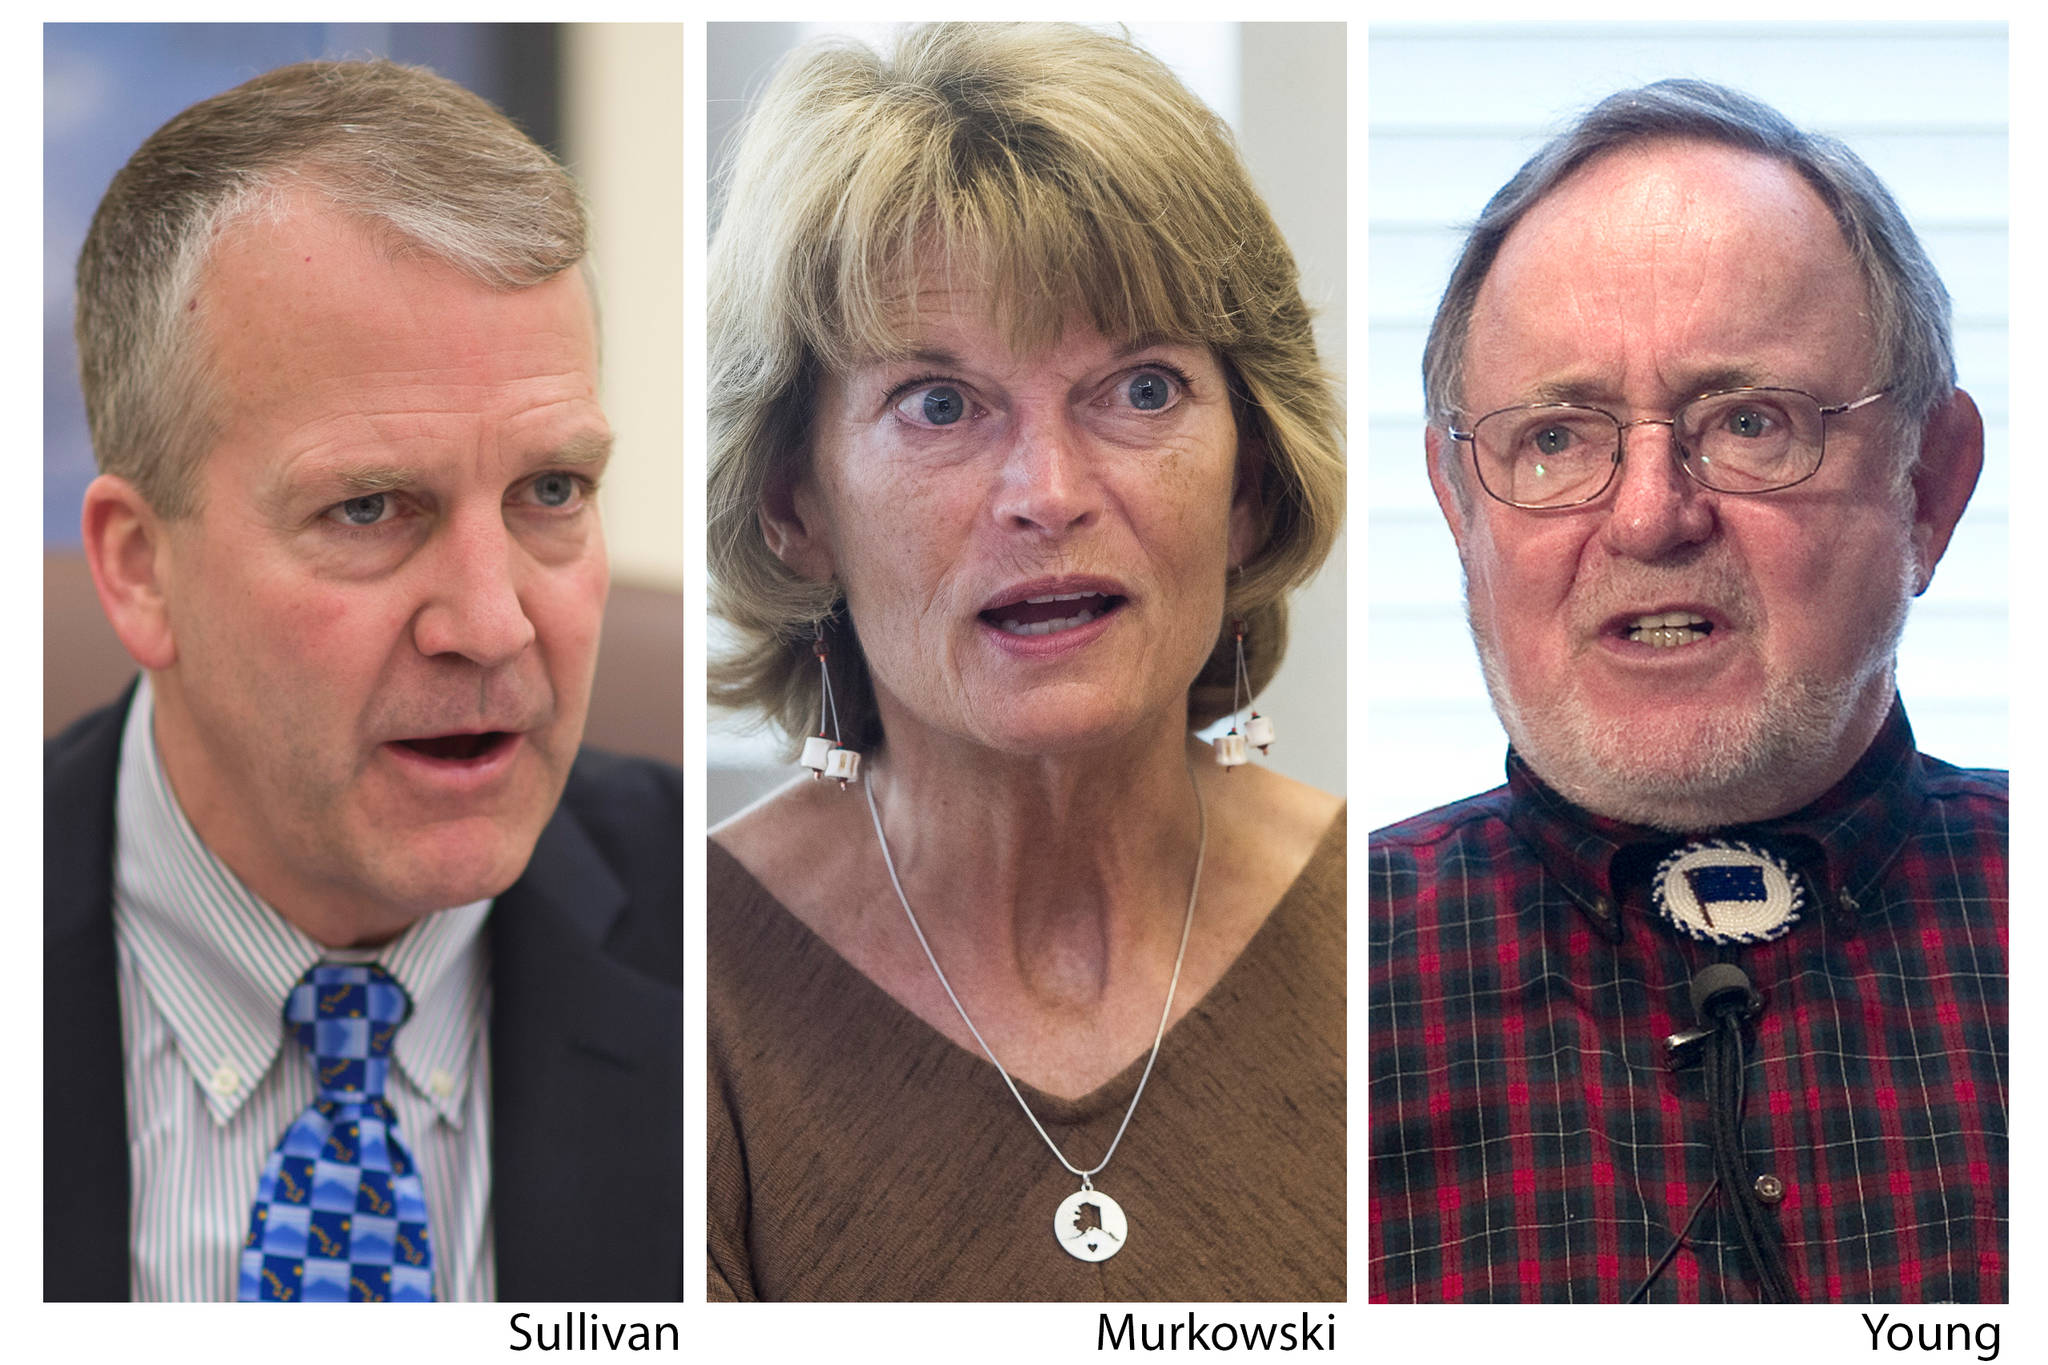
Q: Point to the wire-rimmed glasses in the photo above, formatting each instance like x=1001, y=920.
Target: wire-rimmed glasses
x=1550, y=455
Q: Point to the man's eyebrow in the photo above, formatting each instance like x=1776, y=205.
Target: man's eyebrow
x=1584, y=392
x=1727, y=377
x=1594, y=394
x=335, y=483
x=362, y=479
x=586, y=449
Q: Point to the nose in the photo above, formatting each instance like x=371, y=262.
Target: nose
x=1657, y=507
x=473, y=609
x=1049, y=485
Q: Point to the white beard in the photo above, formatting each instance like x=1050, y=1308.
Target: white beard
x=1731, y=767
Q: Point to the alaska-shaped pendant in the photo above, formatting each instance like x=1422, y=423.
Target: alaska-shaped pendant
x=1090, y=1225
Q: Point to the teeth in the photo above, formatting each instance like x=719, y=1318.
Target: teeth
x=1669, y=629
x=1060, y=597
x=1048, y=627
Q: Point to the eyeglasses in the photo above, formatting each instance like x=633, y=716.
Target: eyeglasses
x=1548, y=455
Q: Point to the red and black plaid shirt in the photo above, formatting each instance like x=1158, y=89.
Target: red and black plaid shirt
x=1527, y=1141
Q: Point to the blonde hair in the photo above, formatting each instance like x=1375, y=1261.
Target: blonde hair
x=1081, y=177
x=398, y=147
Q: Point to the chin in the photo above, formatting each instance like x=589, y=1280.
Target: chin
x=1689, y=770
x=439, y=868
x=1069, y=729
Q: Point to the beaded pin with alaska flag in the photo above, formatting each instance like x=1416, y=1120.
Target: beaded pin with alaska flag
x=1726, y=891
x=341, y=1213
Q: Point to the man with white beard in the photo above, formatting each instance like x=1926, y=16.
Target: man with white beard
x=1708, y=1003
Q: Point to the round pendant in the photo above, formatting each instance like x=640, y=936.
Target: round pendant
x=1724, y=891
x=1090, y=1225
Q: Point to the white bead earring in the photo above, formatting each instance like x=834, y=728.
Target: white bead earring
x=828, y=756
x=1233, y=748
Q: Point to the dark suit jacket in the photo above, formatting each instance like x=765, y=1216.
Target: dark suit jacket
x=586, y=1038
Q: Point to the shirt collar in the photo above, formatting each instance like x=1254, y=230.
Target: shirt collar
x=217, y=962
x=1841, y=843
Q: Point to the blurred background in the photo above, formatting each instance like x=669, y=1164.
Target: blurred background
x=604, y=98
x=1453, y=111
x=1281, y=87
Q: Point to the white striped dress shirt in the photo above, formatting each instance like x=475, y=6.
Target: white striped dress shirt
x=212, y=1083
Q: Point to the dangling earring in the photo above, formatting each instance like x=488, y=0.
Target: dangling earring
x=822, y=755
x=1232, y=748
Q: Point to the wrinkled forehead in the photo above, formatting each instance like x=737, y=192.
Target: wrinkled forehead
x=1674, y=251
x=1031, y=291
x=926, y=299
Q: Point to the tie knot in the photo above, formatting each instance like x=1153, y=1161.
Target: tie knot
x=347, y=1017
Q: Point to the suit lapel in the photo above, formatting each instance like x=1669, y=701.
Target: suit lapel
x=586, y=1063
x=587, y=1088
x=85, y=1126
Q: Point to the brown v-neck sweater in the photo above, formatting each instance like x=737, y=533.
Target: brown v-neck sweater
x=858, y=1154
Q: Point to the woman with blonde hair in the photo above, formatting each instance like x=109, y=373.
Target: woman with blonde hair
x=1019, y=443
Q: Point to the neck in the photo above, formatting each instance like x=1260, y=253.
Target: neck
x=1059, y=872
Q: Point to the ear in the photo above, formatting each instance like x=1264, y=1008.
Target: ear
x=127, y=547
x=1247, y=502
x=1951, y=457
x=1446, y=483
x=794, y=525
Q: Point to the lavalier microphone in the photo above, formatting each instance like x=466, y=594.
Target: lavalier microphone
x=1719, y=990
x=1722, y=998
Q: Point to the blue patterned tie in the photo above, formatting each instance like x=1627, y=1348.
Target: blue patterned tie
x=341, y=1215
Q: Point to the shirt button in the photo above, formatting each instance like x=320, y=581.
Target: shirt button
x=441, y=1083
x=225, y=1079
x=1769, y=1188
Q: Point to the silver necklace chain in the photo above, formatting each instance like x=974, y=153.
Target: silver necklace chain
x=1187, y=923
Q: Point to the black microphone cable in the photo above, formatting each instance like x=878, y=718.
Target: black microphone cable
x=1722, y=998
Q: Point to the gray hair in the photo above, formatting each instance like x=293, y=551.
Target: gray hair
x=397, y=147
x=1909, y=308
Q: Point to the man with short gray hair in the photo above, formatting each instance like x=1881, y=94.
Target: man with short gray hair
x=1708, y=1002
x=361, y=981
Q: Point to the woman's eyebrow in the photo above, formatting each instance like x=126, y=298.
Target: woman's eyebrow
x=1144, y=341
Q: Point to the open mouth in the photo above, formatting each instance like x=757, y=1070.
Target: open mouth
x=1668, y=629
x=459, y=748
x=1052, y=612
